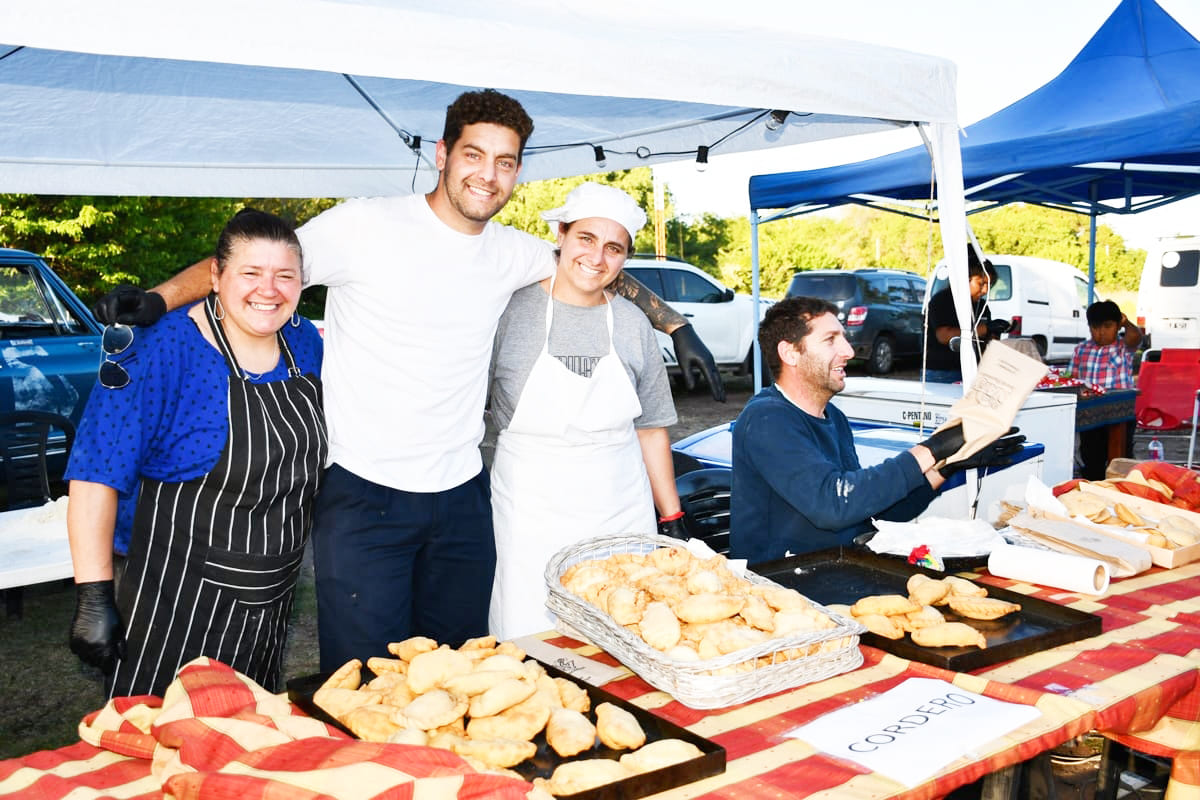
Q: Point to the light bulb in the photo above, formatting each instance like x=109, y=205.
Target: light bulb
x=701, y=158
x=601, y=161
x=776, y=119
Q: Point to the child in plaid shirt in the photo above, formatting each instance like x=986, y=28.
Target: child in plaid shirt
x=1104, y=360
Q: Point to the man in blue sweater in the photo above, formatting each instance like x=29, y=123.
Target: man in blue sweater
x=797, y=482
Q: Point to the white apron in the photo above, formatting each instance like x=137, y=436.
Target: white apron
x=568, y=467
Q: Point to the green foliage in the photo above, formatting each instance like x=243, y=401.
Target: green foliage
x=94, y=243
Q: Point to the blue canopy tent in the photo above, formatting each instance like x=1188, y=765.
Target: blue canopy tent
x=1117, y=131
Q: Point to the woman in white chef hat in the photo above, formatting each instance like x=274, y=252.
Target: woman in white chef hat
x=582, y=402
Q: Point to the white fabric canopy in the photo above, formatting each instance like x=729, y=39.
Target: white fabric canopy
x=310, y=98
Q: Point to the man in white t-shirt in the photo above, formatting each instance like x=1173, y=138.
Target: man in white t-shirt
x=402, y=533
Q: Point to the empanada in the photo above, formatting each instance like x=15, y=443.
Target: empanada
x=882, y=625
x=926, y=591
x=487, y=642
x=475, y=682
x=496, y=752
x=781, y=598
x=801, y=619
x=884, y=604
x=949, y=634
x=410, y=647
x=662, y=753
x=347, y=676
x=434, y=709
x=522, y=721
x=982, y=607
x=429, y=669
x=1127, y=515
x=659, y=626
x=617, y=728
x=962, y=587
x=573, y=695
x=371, y=723
x=579, y=776
x=671, y=560
x=758, y=614
x=569, y=732
x=409, y=736
x=1083, y=504
x=915, y=620
x=338, y=702
x=704, y=581
x=708, y=607
x=504, y=695
x=1180, y=531
x=625, y=604
x=379, y=665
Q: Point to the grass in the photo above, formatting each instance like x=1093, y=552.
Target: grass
x=45, y=690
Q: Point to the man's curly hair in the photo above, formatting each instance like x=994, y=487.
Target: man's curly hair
x=486, y=105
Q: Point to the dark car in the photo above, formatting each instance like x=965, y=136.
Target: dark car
x=49, y=341
x=881, y=310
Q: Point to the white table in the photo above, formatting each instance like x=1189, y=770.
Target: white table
x=34, y=546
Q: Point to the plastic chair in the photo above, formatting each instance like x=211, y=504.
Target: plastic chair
x=24, y=440
x=704, y=495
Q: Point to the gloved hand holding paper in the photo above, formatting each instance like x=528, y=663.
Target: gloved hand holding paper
x=988, y=408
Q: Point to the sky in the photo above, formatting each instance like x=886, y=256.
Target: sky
x=1003, y=50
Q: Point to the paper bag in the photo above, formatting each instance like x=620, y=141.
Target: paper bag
x=988, y=408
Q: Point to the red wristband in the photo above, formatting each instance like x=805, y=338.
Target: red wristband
x=671, y=517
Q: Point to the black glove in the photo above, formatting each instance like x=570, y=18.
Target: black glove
x=997, y=454
x=97, y=633
x=691, y=353
x=675, y=528
x=130, y=305
x=945, y=443
x=996, y=327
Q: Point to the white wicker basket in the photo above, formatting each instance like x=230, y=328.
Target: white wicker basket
x=693, y=683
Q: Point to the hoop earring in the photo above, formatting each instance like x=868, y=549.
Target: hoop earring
x=295, y=319
x=218, y=309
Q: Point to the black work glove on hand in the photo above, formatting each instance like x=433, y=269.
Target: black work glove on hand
x=129, y=305
x=997, y=454
x=691, y=353
x=945, y=443
x=998, y=326
x=97, y=633
x=674, y=528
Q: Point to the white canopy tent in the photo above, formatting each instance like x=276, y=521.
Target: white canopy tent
x=305, y=98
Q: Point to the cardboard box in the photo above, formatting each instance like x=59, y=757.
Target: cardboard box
x=1161, y=556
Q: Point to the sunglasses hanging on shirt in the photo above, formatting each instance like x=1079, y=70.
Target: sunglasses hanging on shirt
x=115, y=340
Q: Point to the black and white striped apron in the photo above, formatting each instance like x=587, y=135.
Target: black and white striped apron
x=213, y=561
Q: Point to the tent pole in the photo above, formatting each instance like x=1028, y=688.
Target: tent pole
x=1093, y=192
x=754, y=293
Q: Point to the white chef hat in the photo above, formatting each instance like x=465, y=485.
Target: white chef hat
x=597, y=200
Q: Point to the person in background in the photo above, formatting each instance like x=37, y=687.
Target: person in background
x=942, y=363
x=797, y=482
x=214, y=415
x=1105, y=360
x=402, y=535
x=582, y=403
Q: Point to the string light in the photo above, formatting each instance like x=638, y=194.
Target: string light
x=776, y=119
x=601, y=161
x=701, y=158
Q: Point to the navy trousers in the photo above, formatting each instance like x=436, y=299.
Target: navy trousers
x=392, y=564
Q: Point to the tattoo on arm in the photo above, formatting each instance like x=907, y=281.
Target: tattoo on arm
x=661, y=315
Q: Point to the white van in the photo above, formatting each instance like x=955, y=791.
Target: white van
x=1045, y=300
x=1168, y=304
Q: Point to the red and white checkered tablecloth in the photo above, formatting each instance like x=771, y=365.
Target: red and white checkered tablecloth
x=218, y=735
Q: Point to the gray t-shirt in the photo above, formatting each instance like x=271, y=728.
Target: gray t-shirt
x=578, y=338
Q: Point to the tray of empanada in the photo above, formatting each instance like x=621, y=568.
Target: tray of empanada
x=505, y=713
x=689, y=622
x=946, y=621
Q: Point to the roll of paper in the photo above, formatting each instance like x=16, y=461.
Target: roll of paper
x=1049, y=568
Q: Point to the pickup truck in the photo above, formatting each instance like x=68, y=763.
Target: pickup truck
x=49, y=343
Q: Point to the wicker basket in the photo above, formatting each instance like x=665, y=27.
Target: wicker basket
x=713, y=683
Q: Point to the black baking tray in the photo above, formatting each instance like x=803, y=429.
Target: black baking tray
x=711, y=762
x=844, y=574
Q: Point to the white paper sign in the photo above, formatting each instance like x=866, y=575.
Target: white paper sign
x=911, y=732
x=575, y=665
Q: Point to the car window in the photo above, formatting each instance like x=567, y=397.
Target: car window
x=899, y=291
x=1002, y=287
x=833, y=288
x=875, y=291
x=1180, y=268
x=27, y=312
x=917, y=288
x=687, y=287
x=649, y=276
x=1081, y=292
